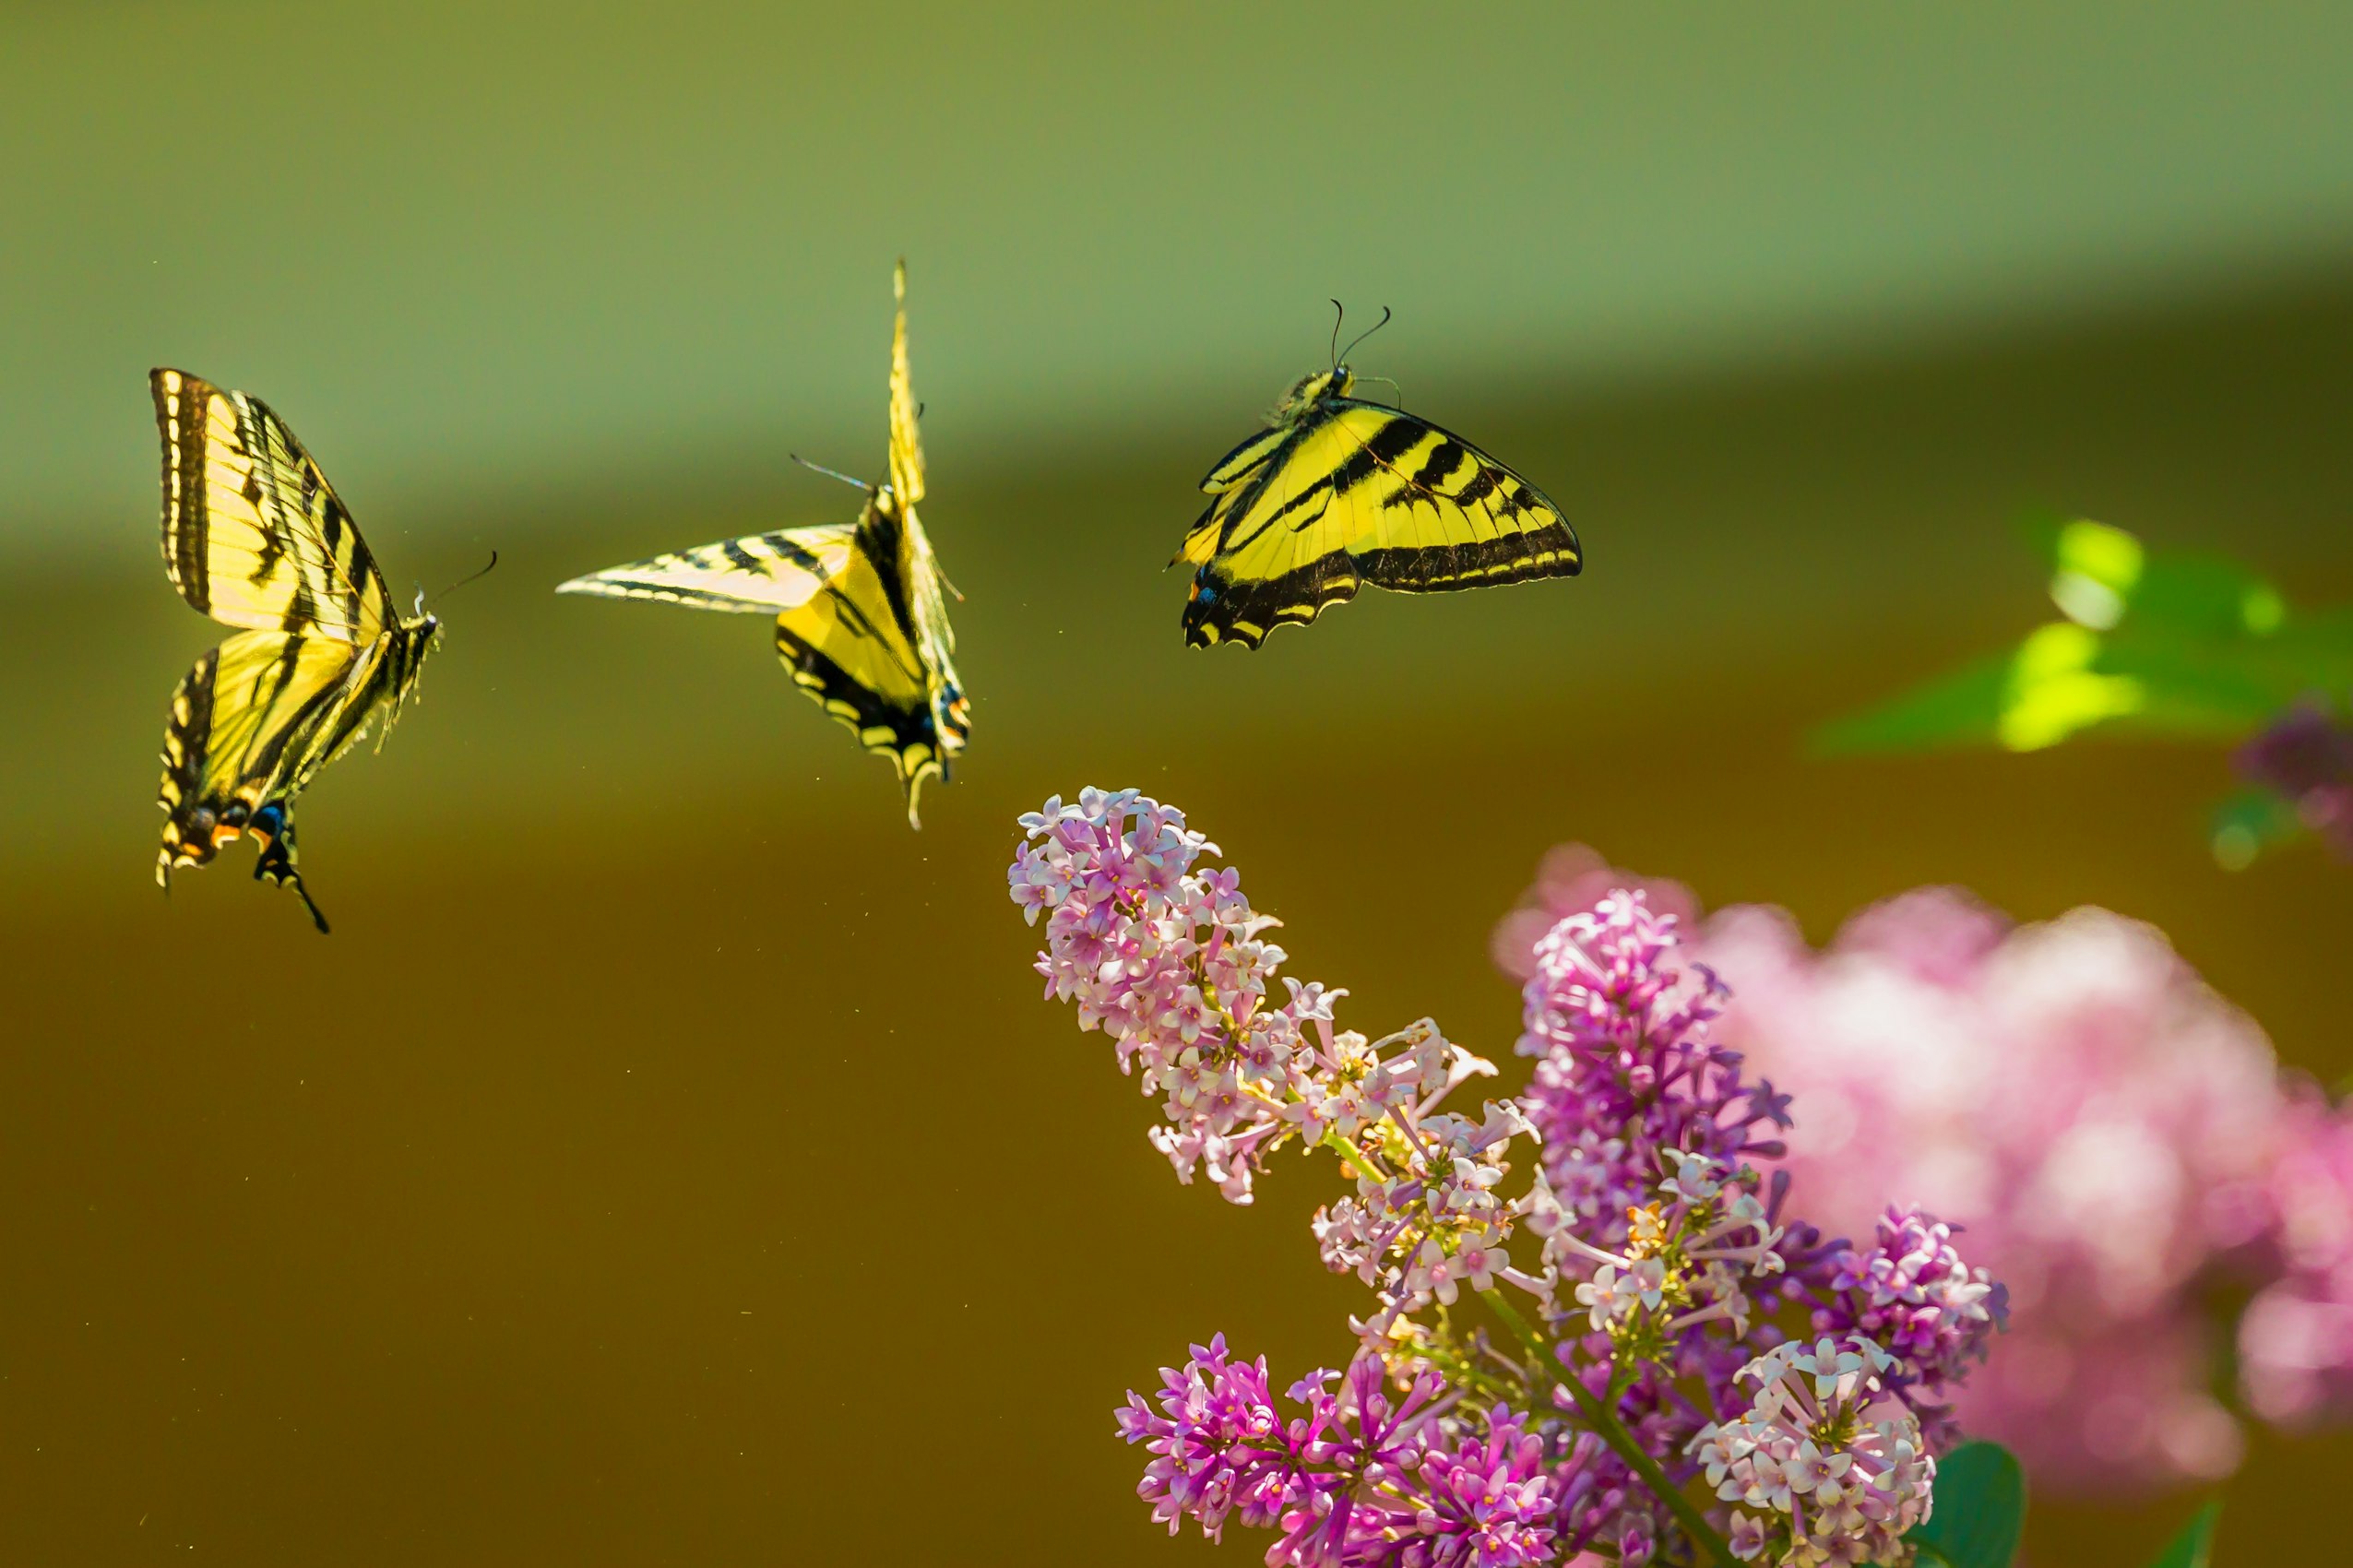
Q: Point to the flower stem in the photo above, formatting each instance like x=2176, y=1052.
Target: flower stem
x=1352, y=1160
x=1605, y=1425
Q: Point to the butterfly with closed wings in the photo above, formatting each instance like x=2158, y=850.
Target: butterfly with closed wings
x=255, y=537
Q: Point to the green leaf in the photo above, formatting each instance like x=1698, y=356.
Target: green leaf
x=1960, y=710
x=2191, y=1548
x=1979, y=1508
x=2208, y=594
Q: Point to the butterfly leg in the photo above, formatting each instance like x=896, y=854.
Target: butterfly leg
x=274, y=830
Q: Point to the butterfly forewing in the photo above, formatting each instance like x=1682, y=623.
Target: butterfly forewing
x=253, y=534
x=758, y=574
x=906, y=439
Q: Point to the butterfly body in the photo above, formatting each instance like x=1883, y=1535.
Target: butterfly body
x=1338, y=492
x=860, y=607
x=255, y=537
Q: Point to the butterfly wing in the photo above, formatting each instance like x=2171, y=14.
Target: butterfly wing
x=860, y=652
x=253, y=534
x=905, y=440
x=760, y=573
x=1355, y=492
x=249, y=726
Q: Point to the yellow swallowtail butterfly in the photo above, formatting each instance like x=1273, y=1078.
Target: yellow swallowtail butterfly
x=1337, y=493
x=861, y=618
x=255, y=537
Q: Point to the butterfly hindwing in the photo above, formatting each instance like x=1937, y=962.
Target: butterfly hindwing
x=253, y=534
x=858, y=650
x=245, y=724
x=1352, y=492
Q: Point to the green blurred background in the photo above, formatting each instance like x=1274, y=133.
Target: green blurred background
x=668, y=1158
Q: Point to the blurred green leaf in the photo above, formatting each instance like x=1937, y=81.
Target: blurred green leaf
x=2062, y=679
x=1961, y=709
x=2154, y=644
x=2193, y=1545
x=2318, y=644
x=1980, y=1508
x=2190, y=686
x=2208, y=594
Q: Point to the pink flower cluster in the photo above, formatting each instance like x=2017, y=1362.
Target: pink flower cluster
x=1175, y=969
x=2117, y=1139
x=2296, y=1337
x=1170, y=963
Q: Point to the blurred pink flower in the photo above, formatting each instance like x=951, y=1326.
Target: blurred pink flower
x=2296, y=1337
x=1572, y=879
x=2113, y=1134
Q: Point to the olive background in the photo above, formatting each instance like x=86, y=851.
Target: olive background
x=668, y=1158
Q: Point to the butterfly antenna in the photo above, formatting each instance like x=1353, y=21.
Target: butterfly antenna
x=453, y=587
x=1360, y=336
x=829, y=473
x=1339, y=313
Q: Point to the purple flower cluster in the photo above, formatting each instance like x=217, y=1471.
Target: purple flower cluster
x=1912, y=1293
x=1687, y=1279
x=1624, y=1070
x=1660, y=1299
x=2306, y=758
x=1356, y=1479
